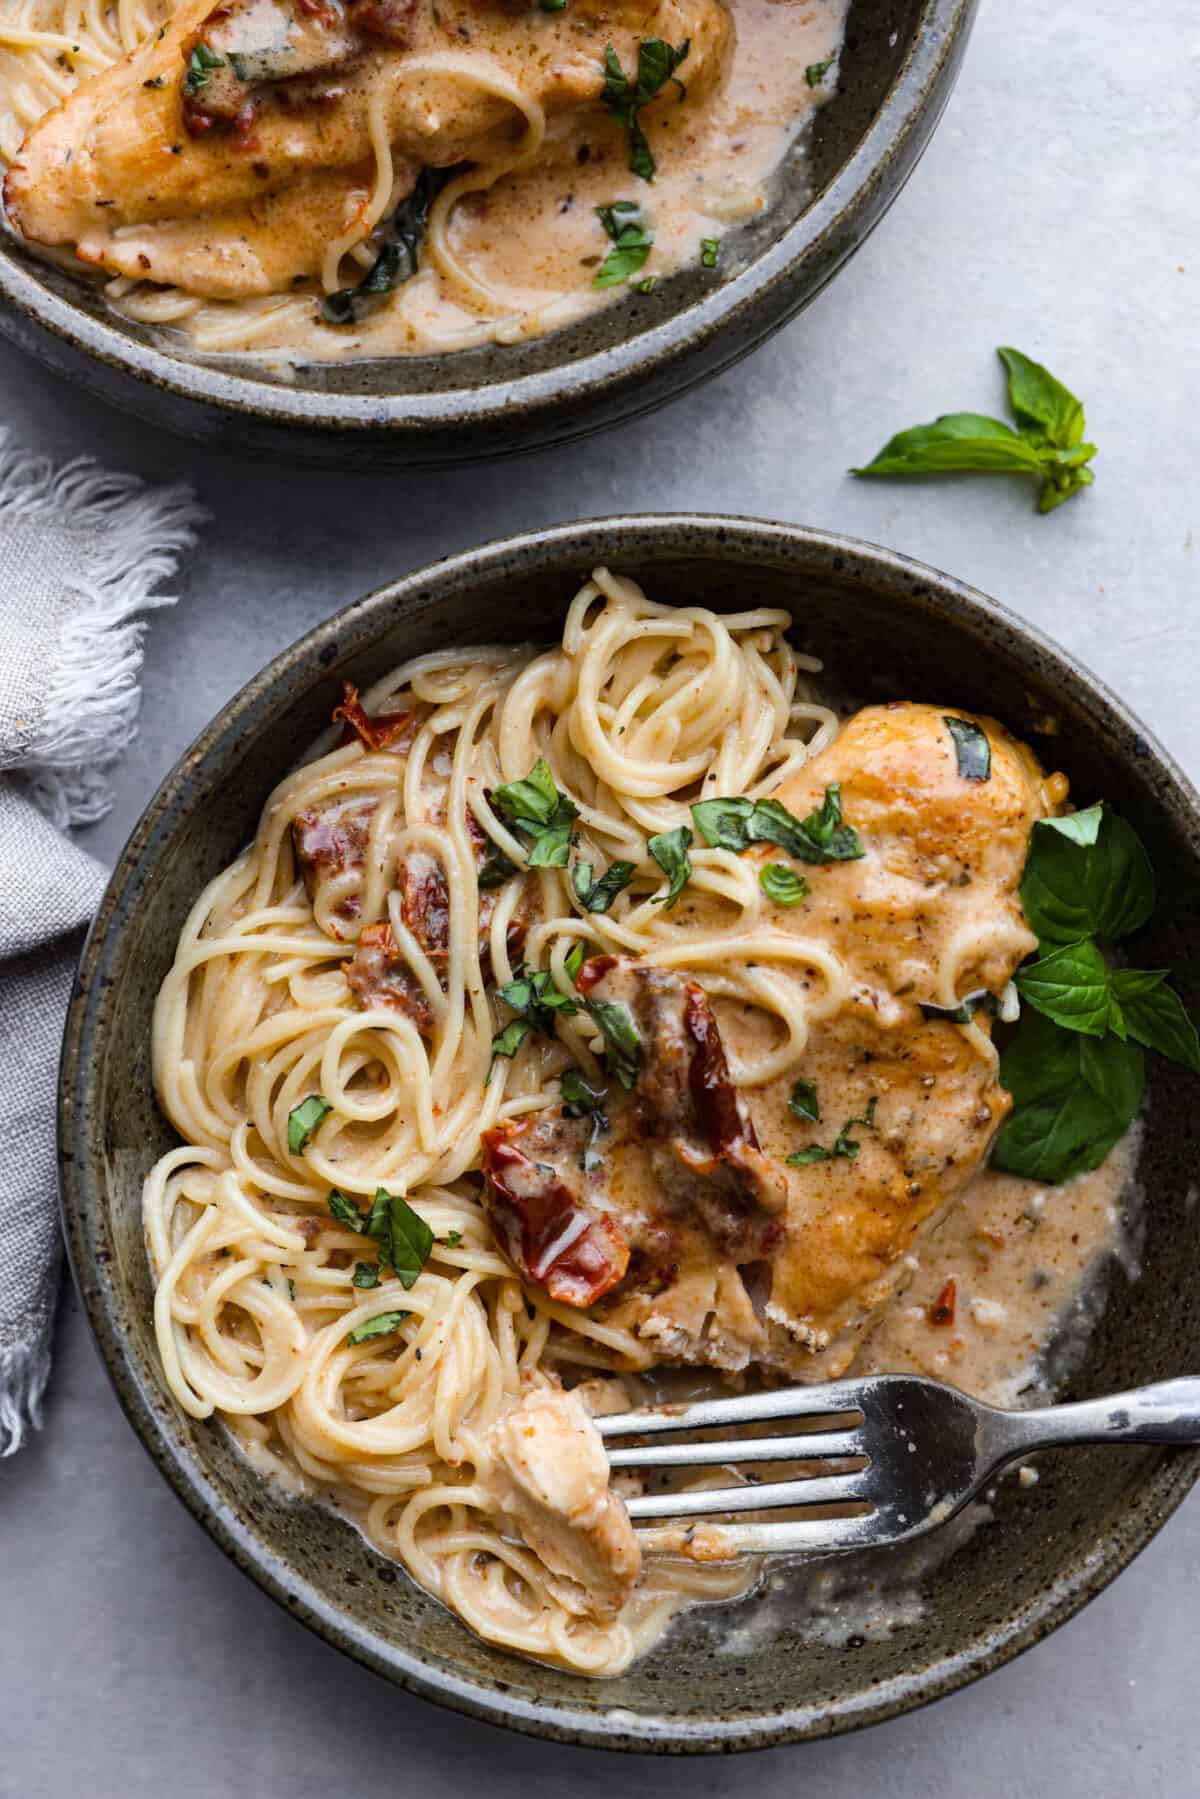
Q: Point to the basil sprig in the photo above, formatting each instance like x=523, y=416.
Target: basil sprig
x=541, y=813
x=1047, y=441
x=303, y=1121
x=1075, y=1067
x=404, y=1238
x=624, y=98
x=632, y=242
x=670, y=851
x=598, y=895
x=734, y=824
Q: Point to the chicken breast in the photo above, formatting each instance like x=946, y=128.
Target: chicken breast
x=225, y=154
x=736, y=1255
x=550, y=1478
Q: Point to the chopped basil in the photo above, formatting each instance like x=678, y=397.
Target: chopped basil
x=645, y=287
x=816, y=72
x=574, y=960
x=710, y=250
x=624, y=98
x=845, y=1146
x=580, y=1100
x=783, y=884
x=536, y=998
x=670, y=851
x=366, y=1274
x=966, y=1008
x=542, y=813
x=632, y=243
x=971, y=748
x=598, y=896
x=552, y=5
x=345, y=1211
x=804, y=1158
x=734, y=824
x=496, y=870
x=404, y=1238
x=303, y=1121
x=1046, y=443
x=804, y=1102
x=201, y=63
x=623, y=1047
x=452, y=1239
x=382, y=1325
x=508, y=1041
x=399, y=256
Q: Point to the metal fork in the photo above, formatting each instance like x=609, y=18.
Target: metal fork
x=922, y=1450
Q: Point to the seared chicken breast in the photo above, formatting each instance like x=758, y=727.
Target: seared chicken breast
x=226, y=154
x=688, y=1222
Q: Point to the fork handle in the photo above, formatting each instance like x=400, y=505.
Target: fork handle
x=1168, y=1412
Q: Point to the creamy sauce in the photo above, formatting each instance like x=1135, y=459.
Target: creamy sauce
x=526, y=249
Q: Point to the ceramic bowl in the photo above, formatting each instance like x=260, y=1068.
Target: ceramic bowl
x=897, y=70
x=889, y=627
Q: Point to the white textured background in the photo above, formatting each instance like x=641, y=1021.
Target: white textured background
x=1058, y=209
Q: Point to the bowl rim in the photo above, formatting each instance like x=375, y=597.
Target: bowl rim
x=352, y=630
x=630, y=375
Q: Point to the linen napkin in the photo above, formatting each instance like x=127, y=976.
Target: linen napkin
x=81, y=553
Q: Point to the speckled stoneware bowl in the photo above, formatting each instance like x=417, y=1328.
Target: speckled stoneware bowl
x=889, y=627
x=897, y=70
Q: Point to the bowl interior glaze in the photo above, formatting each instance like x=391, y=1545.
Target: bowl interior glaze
x=897, y=70
x=889, y=628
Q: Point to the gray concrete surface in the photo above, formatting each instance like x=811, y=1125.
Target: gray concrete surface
x=1057, y=210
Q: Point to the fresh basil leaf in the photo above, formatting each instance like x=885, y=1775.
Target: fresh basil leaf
x=972, y=750
x=670, y=851
x=724, y=824
x=623, y=1046
x=1086, y=876
x=303, y=1121
x=378, y=1223
x=804, y=1102
x=965, y=1010
x=508, y=1041
x=804, y=1158
x=531, y=802
x=1074, y=1098
x=366, y=1274
x=574, y=960
x=1041, y=405
x=1071, y=986
x=956, y=443
x=598, y=896
x=1154, y=1014
x=399, y=256
x=816, y=72
x=409, y=1241
x=632, y=242
x=345, y=1211
x=580, y=1100
x=783, y=885
x=384, y=1324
